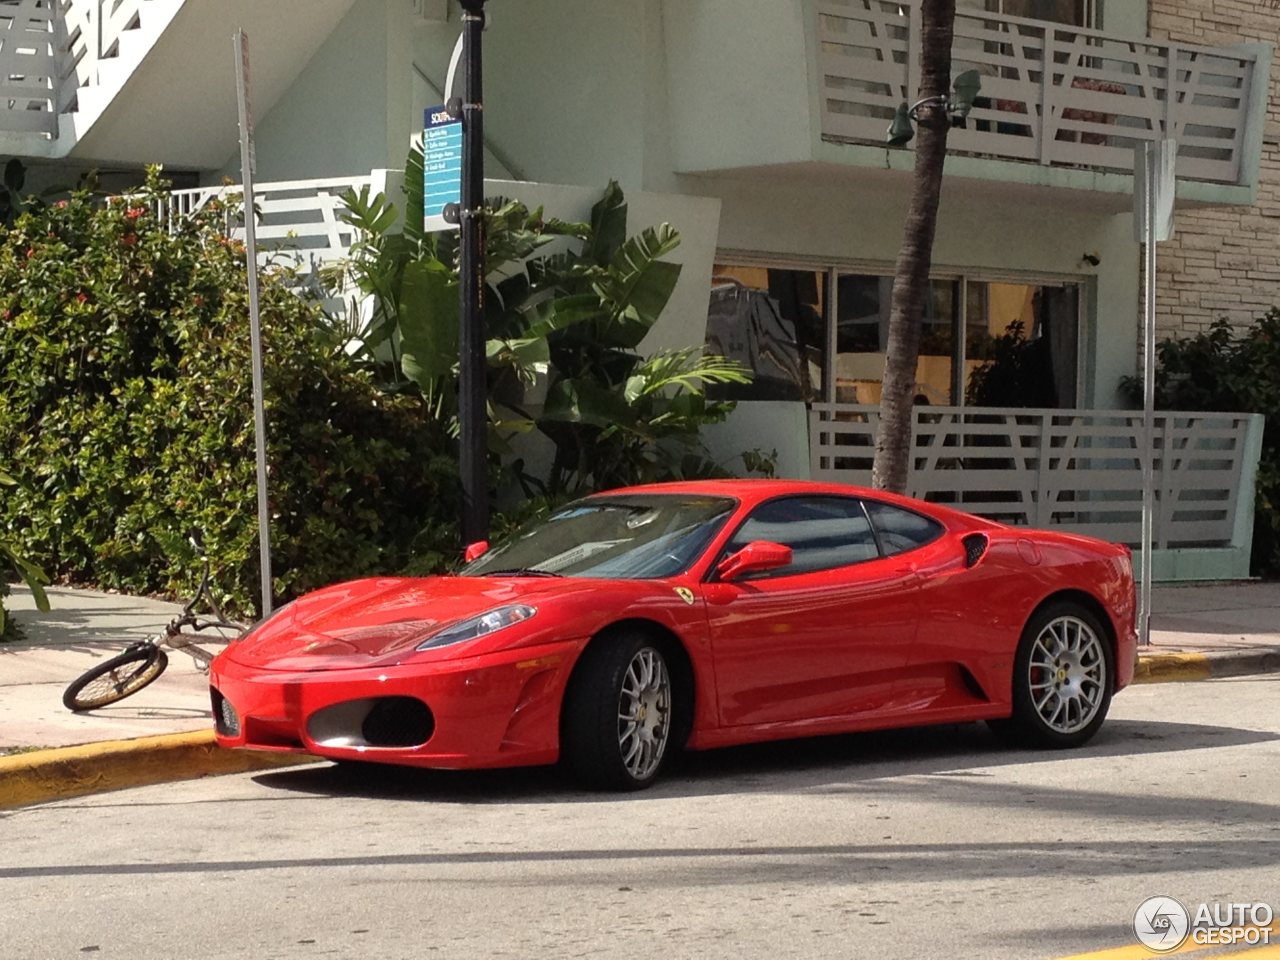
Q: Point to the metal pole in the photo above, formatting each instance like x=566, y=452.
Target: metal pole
x=472, y=414
x=1149, y=156
x=255, y=330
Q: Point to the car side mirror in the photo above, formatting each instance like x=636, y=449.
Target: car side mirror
x=756, y=557
x=475, y=550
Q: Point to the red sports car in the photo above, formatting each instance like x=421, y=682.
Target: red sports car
x=635, y=622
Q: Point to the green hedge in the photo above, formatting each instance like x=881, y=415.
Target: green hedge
x=126, y=413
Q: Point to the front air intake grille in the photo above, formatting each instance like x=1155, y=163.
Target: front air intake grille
x=975, y=545
x=224, y=714
x=398, y=722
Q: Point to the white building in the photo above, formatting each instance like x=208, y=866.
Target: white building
x=756, y=127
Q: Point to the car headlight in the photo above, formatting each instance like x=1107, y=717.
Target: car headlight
x=479, y=626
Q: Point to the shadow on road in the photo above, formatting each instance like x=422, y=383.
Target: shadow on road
x=818, y=764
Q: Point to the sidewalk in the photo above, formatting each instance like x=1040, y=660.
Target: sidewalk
x=1197, y=632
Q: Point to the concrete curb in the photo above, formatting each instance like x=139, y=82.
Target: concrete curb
x=45, y=775
x=1181, y=667
x=58, y=774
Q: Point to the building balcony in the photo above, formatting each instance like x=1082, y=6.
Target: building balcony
x=144, y=81
x=816, y=82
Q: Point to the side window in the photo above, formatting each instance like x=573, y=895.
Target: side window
x=901, y=530
x=822, y=532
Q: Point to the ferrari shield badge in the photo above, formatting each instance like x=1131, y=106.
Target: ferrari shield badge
x=685, y=594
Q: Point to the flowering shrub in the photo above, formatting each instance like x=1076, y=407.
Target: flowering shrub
x=126, y=413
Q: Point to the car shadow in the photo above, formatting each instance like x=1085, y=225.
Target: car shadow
x=815, y=764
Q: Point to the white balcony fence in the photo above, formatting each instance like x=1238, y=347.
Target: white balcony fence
x=1051, y=94
x=298, y=220
x=50, y=50
x=1076, y=470
x=298, y=227
x=89, y=36
x=29, y=67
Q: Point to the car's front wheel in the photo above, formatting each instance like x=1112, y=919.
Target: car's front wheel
x=1062, y=679
x=619, y=713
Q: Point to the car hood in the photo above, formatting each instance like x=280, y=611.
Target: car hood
x=367, y=621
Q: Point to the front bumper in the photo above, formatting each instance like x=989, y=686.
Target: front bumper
x=500, y=709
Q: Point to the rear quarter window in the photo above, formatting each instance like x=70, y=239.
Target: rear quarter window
x=901, y=530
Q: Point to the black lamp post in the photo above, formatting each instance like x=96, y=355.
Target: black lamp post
x=472, y=413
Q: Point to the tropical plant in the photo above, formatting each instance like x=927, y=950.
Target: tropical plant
x=34, y=578
x=567, y=306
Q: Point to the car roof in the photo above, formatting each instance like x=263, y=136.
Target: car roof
x=751, y=491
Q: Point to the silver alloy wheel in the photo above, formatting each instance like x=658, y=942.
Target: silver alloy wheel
x=644, y=713
x=1067, y=674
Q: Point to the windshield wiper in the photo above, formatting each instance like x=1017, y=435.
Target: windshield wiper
x=520, y=572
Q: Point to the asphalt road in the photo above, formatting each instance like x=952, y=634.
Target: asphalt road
x=935, y=843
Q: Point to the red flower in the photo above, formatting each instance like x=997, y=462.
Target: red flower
x=61, y=204
x=30, y=252
x=82, y=297
x=133, y=213
x=129, y=239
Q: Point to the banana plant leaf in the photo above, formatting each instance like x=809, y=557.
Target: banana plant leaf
x=584, y=401
x=428, y=322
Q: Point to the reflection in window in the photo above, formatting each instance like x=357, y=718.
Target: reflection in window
x=901, y=530
x=1076, y=13
x=773, y=321
x=822, y=532
x=862, y=336
x=1021, y=344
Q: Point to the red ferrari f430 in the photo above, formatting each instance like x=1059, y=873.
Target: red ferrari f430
x=633, y=623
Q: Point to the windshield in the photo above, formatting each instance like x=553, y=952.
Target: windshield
x=622, y=537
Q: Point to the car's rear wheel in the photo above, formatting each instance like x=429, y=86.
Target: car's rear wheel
x=619, y=713
x=1062, y=678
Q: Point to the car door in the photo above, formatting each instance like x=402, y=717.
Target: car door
x=825, y=636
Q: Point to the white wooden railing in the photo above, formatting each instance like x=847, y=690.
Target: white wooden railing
x=50, y=50
x=297, y=219
x=1100, y=95
x=29, y=67
x=1080, y=470
x=298, y=228
x=90, y=35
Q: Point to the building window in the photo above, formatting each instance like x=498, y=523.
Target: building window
x=862, y=337
x=822, y=334
x=1022, y=345
x=772, y=320
x=1075, y=13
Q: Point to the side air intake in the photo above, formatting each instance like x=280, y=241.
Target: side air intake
x=975, y=545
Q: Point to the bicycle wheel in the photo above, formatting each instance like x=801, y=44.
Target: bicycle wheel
x=115, y=679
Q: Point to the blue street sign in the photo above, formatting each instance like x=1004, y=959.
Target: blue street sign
x=442, y=167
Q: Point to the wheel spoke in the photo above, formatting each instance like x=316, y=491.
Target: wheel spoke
x=644, y=708
x=1066, y=674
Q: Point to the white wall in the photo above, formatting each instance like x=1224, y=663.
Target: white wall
x=564, y=87
x=579, y=92
x=347, y=111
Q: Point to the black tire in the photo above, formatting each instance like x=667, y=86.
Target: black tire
x=113, y=680
x=1060, y=696
x=600, y=743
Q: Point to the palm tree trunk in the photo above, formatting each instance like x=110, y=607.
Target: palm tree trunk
x=915, y=256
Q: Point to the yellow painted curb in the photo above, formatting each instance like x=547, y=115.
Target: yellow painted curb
x=1172, y=668
x=46, y=775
